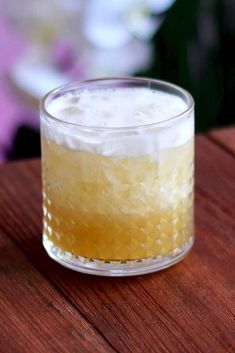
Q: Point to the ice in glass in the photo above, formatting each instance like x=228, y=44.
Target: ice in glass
x=117, y=159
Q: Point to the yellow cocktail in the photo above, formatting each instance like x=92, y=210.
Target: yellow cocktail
x=116, y=203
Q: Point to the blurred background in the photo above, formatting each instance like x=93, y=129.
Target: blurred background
x=44, y=44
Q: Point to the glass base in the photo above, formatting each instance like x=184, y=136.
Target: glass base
x=115, y=268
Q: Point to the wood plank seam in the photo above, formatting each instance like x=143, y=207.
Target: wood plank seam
x=217, y=142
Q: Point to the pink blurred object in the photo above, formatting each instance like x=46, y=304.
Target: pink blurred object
x=11, y=112
x=63, y=55
x=65, y=58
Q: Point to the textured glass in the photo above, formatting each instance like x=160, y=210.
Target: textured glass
x=103, y=214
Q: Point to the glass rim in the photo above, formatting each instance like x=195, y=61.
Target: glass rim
x=145, y=80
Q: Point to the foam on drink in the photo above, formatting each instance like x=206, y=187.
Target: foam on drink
x=119, y=108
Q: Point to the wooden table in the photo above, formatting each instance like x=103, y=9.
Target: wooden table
x=187, y=308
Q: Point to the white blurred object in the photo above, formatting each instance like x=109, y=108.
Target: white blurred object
x=104, y=37
x=31, y=70
x=160, y=6
x=122, y=61
x=103, y=23
x=113, y=23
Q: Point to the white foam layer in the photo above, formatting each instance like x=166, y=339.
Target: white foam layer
x=118, y=108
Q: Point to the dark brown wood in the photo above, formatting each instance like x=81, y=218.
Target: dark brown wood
x=187, y=308
x=225, y=137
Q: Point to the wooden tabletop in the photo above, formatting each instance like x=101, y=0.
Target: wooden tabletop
x=189, y=307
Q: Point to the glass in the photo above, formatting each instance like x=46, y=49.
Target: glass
x=123, y=206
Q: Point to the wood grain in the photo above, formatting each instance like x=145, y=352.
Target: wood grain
x=187, y=308
x=225, y=137
x=34, y=316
